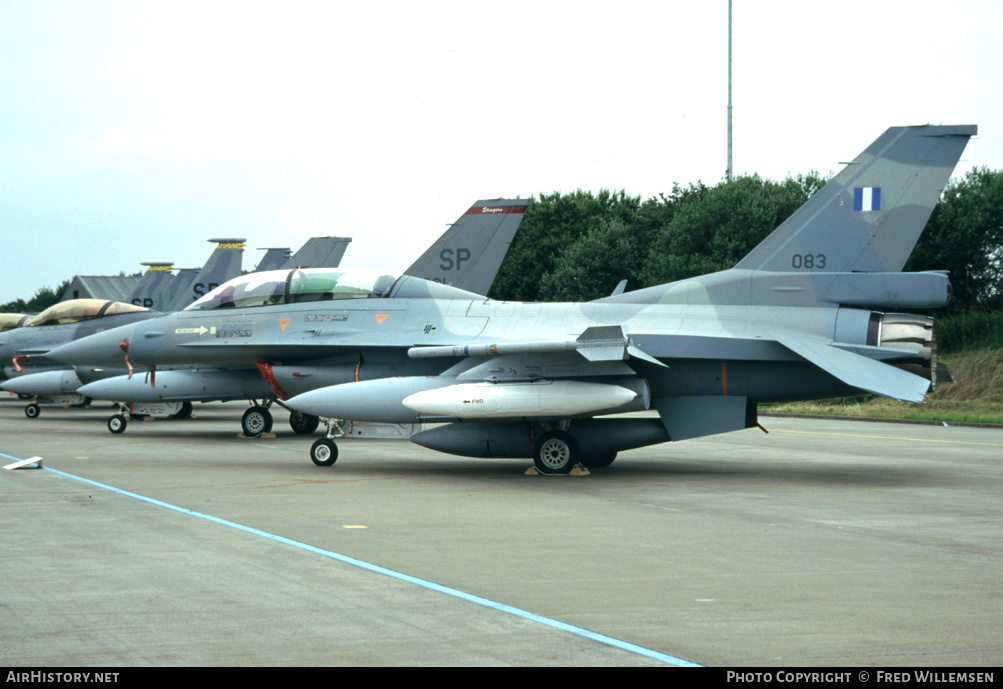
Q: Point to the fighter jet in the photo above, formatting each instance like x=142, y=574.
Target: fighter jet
x=801, y=317
x=51, y=383
x=468, y=255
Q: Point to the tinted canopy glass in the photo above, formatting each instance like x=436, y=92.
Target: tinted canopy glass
x=295, y=286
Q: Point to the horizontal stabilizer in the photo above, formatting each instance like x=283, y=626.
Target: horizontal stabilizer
x=858, y=371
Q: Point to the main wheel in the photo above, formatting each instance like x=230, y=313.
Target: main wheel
x=32, y=411
x=556, y=452
x=302, y=423
x=117, y=423
x=256, y=420
x=324, y=452
x=185, y=412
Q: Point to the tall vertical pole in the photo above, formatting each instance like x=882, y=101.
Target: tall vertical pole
x=729, y=170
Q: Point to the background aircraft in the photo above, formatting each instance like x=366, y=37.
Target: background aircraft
x=30, y=374
x=793, y=320
x=49, y=383
x=468, y=255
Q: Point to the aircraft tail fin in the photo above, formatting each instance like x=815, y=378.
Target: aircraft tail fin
x=870, y=215
x=469, y=254
x=274, y=258
x=319, y=252
x=224, y=264
x=153, y=287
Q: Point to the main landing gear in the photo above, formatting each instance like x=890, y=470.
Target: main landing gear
x=557, y=451
x=255, y=421
x=258, y=420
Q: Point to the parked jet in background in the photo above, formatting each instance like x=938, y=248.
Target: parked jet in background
x=51, y=383
x=152, y=290
x=468, y=254
x=54, y=384
x=794, y=320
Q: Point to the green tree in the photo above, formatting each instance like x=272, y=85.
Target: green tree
x=552, y=224
x=43, y=299
x=594, y=264
x=965, y=237
x=712, y=228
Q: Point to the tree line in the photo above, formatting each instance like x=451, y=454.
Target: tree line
x=579, y=246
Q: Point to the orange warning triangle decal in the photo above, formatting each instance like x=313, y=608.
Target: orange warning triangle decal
x=283, y=322
x=380, y=317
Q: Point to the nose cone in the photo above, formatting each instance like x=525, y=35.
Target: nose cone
x=101, y=349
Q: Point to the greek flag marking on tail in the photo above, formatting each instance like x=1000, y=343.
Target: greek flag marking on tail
x=867, y=198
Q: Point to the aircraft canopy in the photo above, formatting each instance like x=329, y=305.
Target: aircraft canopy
x=76, y=310
x=295, y=286
x=9, y=321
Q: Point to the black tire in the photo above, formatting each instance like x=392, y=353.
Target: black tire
x=32, y=411
x=117, y=423
x=599, y=461
x=255, y=421
x=556, y=452
x=324, y=452
x=185, y=412
x=303, y=424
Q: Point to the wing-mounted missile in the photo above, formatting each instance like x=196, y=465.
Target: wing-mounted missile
x=595, y=344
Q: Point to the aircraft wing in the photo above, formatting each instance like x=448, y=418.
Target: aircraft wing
x=856, y=370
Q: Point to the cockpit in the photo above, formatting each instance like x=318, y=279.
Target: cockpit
x=295, y=286
x=77, y=310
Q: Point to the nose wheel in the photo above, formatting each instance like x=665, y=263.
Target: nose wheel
x=324, y=452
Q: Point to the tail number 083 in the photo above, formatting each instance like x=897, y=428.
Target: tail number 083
x=808, y=261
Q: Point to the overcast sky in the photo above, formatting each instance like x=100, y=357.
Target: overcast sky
x=134, y=131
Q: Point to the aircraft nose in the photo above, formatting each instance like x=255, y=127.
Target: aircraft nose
x=101, y=349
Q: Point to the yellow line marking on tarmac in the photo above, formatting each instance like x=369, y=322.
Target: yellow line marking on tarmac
x=892, y=437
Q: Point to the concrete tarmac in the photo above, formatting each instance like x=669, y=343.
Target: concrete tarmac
x=822, y=543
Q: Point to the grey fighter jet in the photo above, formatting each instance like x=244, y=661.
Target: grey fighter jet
x=467, y=255
x=801, y=317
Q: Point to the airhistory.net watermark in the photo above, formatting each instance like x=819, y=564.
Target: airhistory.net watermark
x=33, y=676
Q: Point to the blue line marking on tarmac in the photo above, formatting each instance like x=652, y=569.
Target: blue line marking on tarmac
x=501, y=607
